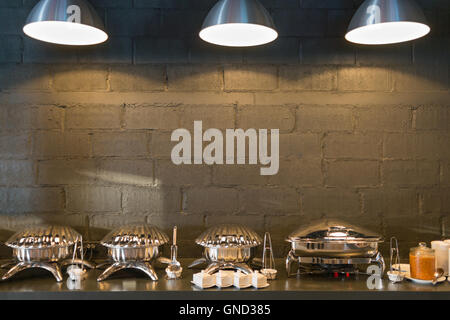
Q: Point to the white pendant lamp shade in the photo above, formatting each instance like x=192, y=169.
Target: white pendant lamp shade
x=379, y=22
x=238, y=23
x=66, y=22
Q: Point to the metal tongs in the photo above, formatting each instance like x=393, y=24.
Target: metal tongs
x=174, y=268
x=395, y=275
x=268, y=262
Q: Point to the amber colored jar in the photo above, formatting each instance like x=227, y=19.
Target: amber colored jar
x=422, y=261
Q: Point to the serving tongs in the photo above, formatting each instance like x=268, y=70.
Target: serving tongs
x=395, y=275
x=268, y=262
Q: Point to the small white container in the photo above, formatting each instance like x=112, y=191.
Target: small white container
x=271, y=274
x=224, y=279
x=441, y=249
x=204, y=280
x=76, y=273
x=259, y=280
x=242, y=280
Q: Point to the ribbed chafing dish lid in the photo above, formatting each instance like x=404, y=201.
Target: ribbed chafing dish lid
x=333, y=231
x=38, y=237
x=135, y=236
x=229, y=235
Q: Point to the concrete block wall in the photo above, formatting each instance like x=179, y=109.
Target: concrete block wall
x=85, y=132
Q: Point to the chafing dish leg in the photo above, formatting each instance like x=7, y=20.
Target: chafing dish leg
x=110, y=270
x=197, y=262
x=16, y=269
x=380, y=261
x=289, y=260
x=52, y=268
x=147, y=269
x=212, y=268
x=243, y=267
x=163, y=260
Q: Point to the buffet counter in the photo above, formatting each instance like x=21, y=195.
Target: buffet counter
x=36, y=284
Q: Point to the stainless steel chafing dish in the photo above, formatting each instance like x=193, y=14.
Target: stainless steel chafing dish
x=45, y=247
x=133, y=246
x=227, y=246
x=333, y=243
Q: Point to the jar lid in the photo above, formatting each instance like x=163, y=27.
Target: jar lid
x=135, y=236
x=422, y=249
x=330, y=231
x=47, y=236
x=229, y=235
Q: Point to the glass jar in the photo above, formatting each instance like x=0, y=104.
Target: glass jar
x=422, y=261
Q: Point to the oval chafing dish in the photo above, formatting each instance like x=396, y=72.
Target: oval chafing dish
x=227, y=246
x=133, y=246
x=334, y=243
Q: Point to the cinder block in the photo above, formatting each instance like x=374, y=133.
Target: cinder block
x=327, y=4
x=255, y=222
x=327, y=51
x=12, y=49
x=300, y=146
x=115, y=50
x=151, y=117
x=126, y=172
x=190, y=226
x=300, y=22
x=203, y=52
x=120, y=144
x=168, y=173
x=194, y=78
x=331, y=203
x=35, y=51
x=250, y=77
x=353, y=173
x=138, y=78
x=93, y=117
x=410, y=173
x=15, y=146
x=432, y=118
x=363, y=79
x=298, y=172
x=307, y=78
x=420, y=78
x=391, y=202
x=112, y=3
x=67, y=172
x=229, y=175
x=181, y=23
x=435, y=202
x=266, y=117
x=318, y=118
x=161, y=50
x=10, y=3
x=174, y=4
x=133, y=22
x=80, y=78
x=383, y=118
x=163, y=200
x=17, y=172
x=93, y=199
x=445, y=168
x=212, y=116
x=161, y=145
x=24, y=77
x=396, y=54
x=267, y=200
x=282, y=50
x=211, y=200
x=338, y=21
x=417, y=146
x=11, y=20
x=57, y=144
x=33, y=200
x=353, y=146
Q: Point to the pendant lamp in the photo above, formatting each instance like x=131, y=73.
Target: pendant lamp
x=238, y=23
x=66, y=22
x=379, y=22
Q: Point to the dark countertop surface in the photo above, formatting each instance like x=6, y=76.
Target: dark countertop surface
x=33, y=284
